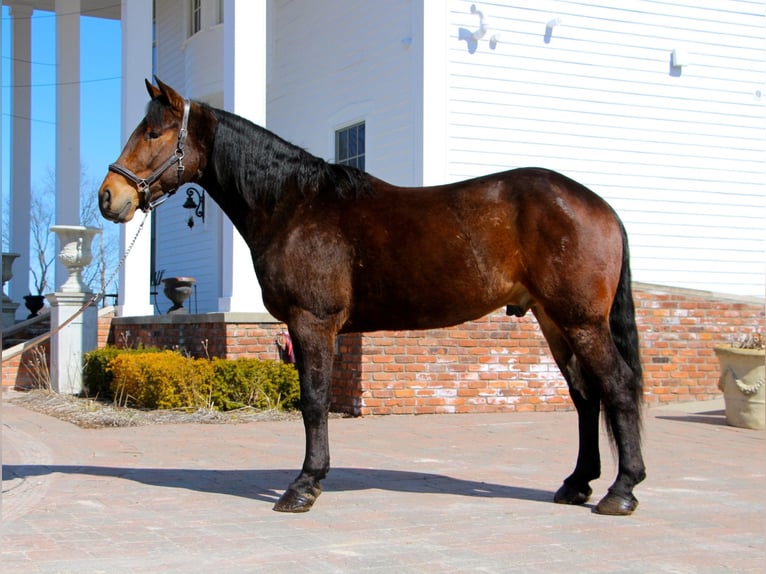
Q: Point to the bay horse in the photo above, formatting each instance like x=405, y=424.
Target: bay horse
x=337, y=250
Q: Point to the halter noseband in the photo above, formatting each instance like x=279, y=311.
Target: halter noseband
x=143, y=185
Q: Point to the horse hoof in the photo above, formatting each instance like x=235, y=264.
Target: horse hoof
x=568, y=495
x=615, y=505
x=294, y=501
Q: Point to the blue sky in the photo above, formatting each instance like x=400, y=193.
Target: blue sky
x=100, y=70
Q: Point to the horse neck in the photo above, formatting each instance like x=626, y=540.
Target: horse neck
x=241, y=177
x=258, y=179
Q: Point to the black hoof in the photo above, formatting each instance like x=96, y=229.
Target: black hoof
x=294, y=501
x=568, y=495
x=615, y=505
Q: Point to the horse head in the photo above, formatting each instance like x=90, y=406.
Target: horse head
x=163, y=153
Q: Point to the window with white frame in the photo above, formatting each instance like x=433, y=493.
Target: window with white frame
x=204, y=14
x=350, y=146
x=195, y=17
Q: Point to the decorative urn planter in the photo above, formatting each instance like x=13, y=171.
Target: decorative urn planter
x=178, y=290
x=8, y=315
x=743, y=373
x=8, y=259
x=34, y=303
x=75, y=254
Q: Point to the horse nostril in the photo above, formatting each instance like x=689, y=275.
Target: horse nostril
x=106, y=197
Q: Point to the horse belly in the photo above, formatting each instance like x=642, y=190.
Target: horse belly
x=427, y=293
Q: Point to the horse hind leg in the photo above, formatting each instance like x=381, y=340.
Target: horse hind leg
x=610, y=376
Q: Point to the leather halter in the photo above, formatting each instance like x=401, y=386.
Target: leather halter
x=144, y=184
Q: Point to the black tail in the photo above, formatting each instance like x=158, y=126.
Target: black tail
x=622, y=323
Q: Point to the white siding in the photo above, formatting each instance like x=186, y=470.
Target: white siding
x=336, y=63
x=171, y=22
x=181, y=251
x=679, y=153
x=194, y=252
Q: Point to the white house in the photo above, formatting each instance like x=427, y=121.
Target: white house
x=656, y=106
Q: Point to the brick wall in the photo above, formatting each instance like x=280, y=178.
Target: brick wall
x=226, y=335
x=678, y=330
x=496, y=363
x=105, y=317
x=499, y=363
x=20, y=371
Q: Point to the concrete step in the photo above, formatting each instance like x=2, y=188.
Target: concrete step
x=26, y=330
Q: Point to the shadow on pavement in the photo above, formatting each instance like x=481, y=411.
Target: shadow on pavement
x=716, y=417
x=267, y=485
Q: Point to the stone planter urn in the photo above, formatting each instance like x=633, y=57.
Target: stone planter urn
x=8, y=259
x=8, y=306
x=34, y=303
x=75, y=254
x=743, y=373
x=178, y=290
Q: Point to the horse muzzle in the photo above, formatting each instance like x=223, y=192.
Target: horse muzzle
x=117, y=202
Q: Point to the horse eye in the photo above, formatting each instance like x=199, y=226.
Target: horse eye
x=152, y=135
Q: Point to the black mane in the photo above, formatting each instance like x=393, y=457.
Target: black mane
x=263, y=164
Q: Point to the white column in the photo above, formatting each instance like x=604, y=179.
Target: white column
x=2, y=229
x=136, y=19
x=430, y=50
x=21, y=55
x=244, y=93
x=67, y=118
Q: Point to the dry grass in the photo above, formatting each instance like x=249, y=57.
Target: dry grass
x=91, y=413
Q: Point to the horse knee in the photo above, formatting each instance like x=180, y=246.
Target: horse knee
x=314, y=410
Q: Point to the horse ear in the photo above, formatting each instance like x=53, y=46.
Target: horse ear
x=153, y=90
x=174, y=98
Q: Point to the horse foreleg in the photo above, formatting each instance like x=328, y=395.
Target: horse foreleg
x=313, y=347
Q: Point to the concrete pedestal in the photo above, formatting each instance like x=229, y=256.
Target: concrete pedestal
x=70, y=344
x=9, y=313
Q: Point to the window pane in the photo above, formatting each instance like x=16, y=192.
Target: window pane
x=349, y=146
x=352, y=149
x=196, y=17
x=342, y=146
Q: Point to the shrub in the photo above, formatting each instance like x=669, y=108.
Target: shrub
x=164, y=380
x=256, y=383
x=168, y=379
x=96, y=374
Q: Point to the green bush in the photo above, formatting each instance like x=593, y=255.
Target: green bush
x=96, y=375
x=164, y=380
x=168, y=379
x=256, y=383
